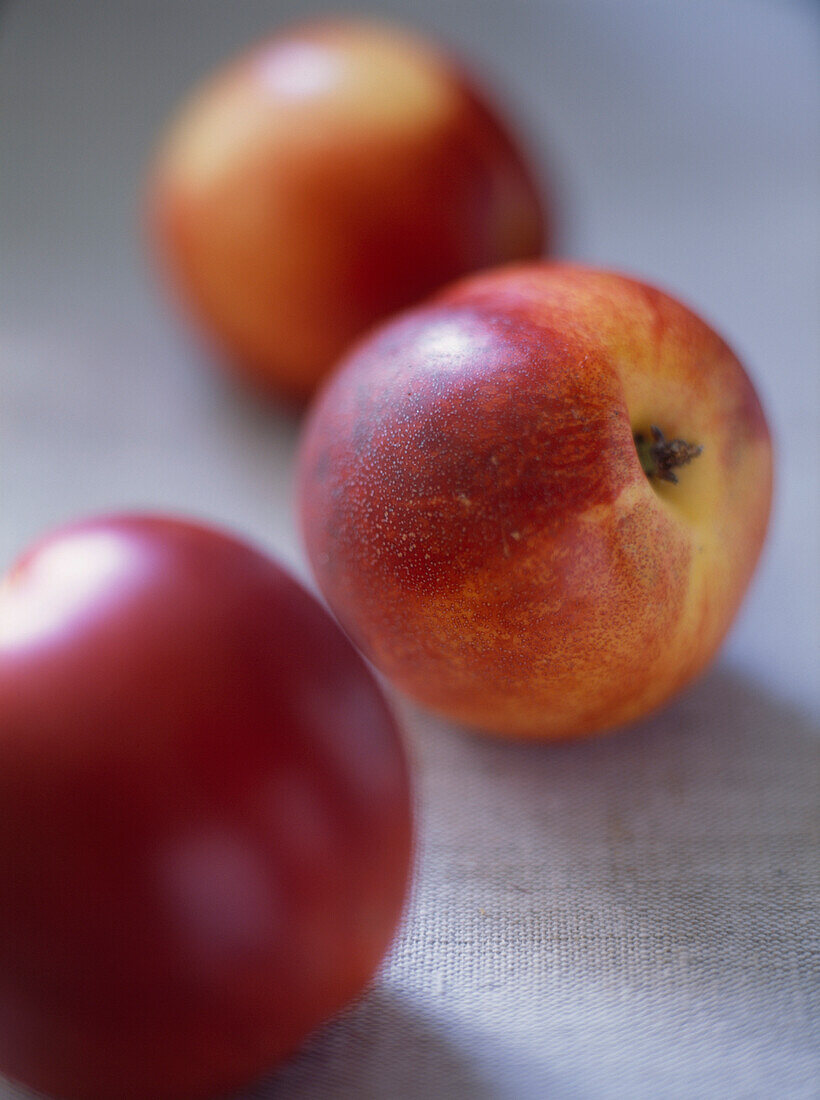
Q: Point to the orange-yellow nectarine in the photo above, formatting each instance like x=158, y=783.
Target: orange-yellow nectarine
x=335, y=174
x=536, y=501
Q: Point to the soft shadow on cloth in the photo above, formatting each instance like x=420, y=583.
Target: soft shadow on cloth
x=591, y=918
x=379, y=1048
x=647, y=897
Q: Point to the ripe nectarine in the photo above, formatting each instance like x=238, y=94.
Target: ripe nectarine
x=336, y=173
x=536, y=501
x=205, y=814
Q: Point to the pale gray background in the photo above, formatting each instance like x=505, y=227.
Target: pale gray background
x=631, y=917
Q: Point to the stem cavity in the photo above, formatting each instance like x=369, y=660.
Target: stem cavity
x=660, y=456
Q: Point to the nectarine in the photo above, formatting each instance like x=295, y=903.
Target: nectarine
x=536, y=501
x=336, y=173
x=205, y=814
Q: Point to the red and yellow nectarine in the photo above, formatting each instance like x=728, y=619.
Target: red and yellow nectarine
x=335, y=174
x=536, y=501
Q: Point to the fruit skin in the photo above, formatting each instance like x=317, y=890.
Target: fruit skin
x=205, y=824
x=477, y=517
x=336, y=173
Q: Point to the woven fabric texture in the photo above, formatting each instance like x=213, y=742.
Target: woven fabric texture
x=632, y=918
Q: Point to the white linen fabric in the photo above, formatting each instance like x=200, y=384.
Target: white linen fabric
x=636, y=916
x=633, y=916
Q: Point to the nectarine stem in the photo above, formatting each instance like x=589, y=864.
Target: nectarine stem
x=660, y=456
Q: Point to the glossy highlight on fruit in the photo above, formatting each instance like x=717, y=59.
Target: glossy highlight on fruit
x=537, y=500
x=205, y=824
x=337, y=172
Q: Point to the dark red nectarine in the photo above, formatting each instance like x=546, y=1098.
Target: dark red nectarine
x=205, y=818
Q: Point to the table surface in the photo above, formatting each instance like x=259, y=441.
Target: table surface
x=635, y=916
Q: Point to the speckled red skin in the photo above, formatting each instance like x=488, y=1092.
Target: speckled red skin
x=476, y=514
x=323, y=221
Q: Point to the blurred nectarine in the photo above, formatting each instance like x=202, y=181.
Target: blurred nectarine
x=334, y=174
